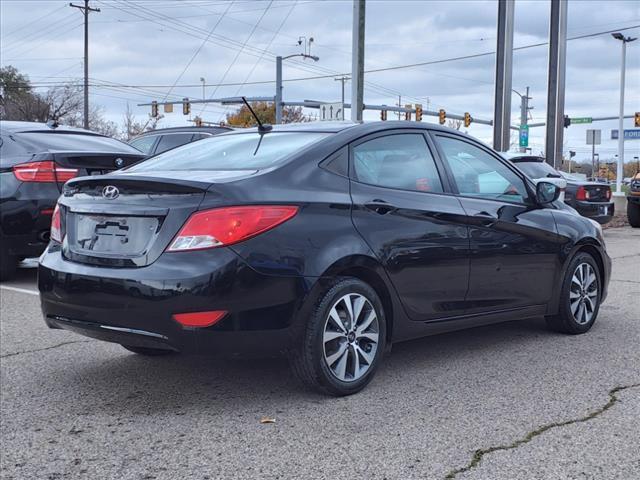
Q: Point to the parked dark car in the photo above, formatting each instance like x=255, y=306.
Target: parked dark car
x=590, y=199
x=35, y=161
x=633, y=201
x=325, y=243
x=164, y=139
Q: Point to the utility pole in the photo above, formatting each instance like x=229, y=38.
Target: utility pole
x=524, y=112
x=85, y=10
x=357, y=65
x=342, y=80
x=556, y=81
x=620, y=167
x=504, y=62
x=399, y=106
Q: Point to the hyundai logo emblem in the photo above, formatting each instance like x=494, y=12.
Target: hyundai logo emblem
x=119, y=162
x=110, y=192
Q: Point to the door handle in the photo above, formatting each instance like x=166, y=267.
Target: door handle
x=380, y=206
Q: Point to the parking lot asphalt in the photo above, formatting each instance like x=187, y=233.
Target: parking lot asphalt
x=507, y=401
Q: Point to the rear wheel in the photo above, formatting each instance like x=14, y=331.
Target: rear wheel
x=344, y=340
x=149, y=352
x=633, y=214
x=8, y=265
x=579, y=298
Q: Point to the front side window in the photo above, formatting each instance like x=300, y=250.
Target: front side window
x=239, y=151
x=479, y=174
x=400, y=161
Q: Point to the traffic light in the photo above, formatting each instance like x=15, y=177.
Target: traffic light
x=418, y=112
x=442, y=116
x=567, y=121
x=383, y=115
x=186, y=106
x=467, y=119
x=637, y=120
x=154, y=109
x=407, y=114
x=197, y=121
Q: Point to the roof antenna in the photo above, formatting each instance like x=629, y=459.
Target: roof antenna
x=262, y=128
x=53, y=123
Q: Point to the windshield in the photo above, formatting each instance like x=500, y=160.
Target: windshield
x=241, y=151
x=538, y=169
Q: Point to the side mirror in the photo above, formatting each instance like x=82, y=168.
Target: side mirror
x=547, y=192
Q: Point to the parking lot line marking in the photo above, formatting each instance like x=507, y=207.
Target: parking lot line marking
x=19, y=290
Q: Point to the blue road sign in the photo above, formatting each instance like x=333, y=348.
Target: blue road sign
x=524, y=135
x=629, y=134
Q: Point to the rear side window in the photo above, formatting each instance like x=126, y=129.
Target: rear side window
x=240, y=151
x=397, y=161
x=144, y=144
x=172, y=140
x=479, y=174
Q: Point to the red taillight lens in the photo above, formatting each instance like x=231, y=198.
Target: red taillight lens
x=608, y=194
x=582, y=194
x=43, y=172
x=199, y=319
x=56, y=225
x=229, y=225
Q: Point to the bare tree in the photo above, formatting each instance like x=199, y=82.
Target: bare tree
x=132, y=128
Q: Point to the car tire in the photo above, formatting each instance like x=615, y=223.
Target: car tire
x=149, y=352
x=8, y=265
x=338, y=356
x=579, y=297
x=633, y=214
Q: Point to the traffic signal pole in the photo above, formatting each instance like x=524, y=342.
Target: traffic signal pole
x=504, y=61
x=357, y=65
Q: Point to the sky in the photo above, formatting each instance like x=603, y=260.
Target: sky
x=163, y=48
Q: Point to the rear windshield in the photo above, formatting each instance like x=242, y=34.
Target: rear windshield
x=36, y=142
x=240, y=151
x=537, y=169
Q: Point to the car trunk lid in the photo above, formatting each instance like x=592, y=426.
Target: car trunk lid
x=127, y=220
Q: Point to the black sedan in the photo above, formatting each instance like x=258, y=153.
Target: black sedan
x=633, y=201
x=35, y=161
x=590, y=199
x=325, y=243
x=161, y=140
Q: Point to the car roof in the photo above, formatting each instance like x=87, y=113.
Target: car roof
x=24, y=127
x=191, y=129
x=520, y=157
x=361, y=127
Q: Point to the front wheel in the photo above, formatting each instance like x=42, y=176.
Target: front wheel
x=579, y=298
x=633, y=214
x=344, y=340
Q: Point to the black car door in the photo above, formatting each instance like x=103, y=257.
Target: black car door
x=416, y=229
x=514, y=243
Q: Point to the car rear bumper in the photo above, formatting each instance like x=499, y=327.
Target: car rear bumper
x=601, y=212
x=135, y=306
x=634, y=197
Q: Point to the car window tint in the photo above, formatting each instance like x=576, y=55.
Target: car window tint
x=144, y=144
x=397, y=161
x=538, y=169
x=237, y=151
x=479, y=174
x=172, y=140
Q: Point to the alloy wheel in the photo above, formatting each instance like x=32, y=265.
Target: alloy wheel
x=583, y=293
x=350, y=337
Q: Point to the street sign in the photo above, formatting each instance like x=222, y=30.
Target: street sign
x=331, y=112
x=629, y=134
x=594, y=137
x=524, y=135
x=581, y=120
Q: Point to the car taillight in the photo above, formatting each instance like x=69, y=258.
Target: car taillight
x=228, y=225
x=56, y=225
x=44, y=172
x=608, y=194
x=582, y=194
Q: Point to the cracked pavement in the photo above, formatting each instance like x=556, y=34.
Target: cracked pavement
x=76, y=408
